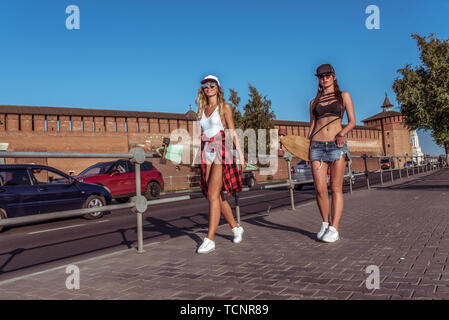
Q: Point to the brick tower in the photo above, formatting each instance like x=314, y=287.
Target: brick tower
x=396, y=137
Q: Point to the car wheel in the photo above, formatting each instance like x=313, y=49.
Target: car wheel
x=251, y=182
x=122, y=200
x=2, y=216
x=93, y=202
x=153, y=190
x=299, y=187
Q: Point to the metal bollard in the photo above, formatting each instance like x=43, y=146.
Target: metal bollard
x=350, y=176
x=391, y=169
x=288, y=156
x=405, y=161
x=366, y=171
x=237, y=207
x=381, y=173
x=140, y=201
x=139, y=214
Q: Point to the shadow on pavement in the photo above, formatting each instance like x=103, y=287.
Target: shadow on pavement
x=173, y=231
x=262, y=222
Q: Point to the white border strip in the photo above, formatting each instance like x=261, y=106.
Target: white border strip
x=78, y=262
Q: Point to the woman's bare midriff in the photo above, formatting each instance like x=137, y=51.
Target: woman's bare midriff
x=329, y=132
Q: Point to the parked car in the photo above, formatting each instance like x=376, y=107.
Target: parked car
x=385, y=163
x=302, y=171
x=249, y=178
x=120, y=178
x=28, y=189
x=410, y=164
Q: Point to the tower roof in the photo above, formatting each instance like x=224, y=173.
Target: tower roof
x=387, y=103
x=383, y=114
x=386, y=112
x=191, y=115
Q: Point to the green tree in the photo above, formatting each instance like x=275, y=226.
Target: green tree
x=423, y=91
x=237, y=115
x=258, y=115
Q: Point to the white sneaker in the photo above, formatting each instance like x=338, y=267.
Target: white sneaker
x=238, y=232
x=207, y=246
x=331, y=235
x=323, y=230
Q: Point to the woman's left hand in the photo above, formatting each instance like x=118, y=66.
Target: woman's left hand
x=242, y=163
x=340, y=141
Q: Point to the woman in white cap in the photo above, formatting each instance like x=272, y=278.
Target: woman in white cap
x=218, y=166
x=328, y=147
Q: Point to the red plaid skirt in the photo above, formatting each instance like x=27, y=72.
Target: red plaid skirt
x=232, y=181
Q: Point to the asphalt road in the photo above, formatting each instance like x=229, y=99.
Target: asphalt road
x=32, y=248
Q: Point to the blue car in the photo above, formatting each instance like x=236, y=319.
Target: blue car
x=28, y=189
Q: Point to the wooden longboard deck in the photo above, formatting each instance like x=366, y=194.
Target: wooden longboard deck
x=296, y=145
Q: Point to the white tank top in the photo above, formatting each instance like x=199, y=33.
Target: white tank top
x=212, y=125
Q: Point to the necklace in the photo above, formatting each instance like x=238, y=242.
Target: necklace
x=210, y=107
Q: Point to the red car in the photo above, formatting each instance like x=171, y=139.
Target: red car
x=120, y=178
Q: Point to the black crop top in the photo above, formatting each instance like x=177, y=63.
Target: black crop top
x=333, y=108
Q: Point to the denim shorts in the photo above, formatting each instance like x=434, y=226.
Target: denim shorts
x=328, y=151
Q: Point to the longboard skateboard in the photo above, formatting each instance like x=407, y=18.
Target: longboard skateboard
x=177, y=152
x=296, y=145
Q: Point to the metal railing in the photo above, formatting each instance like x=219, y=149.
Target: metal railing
x=139, y=204
x=427, y=166
x=186, y=182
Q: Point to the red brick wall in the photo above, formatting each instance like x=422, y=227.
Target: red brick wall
x=109, y=134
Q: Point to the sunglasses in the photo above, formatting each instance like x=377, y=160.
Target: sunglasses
x=208, y=85
x=324, y=75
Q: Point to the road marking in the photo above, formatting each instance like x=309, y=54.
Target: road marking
x=56, y=229
x=75, y=263
x=101, y=221
x=260, y=195
x=305, y=205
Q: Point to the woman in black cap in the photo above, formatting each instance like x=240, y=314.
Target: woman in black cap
x=328, y=147
x=218, y=166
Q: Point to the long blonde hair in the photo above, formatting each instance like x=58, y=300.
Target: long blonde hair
x=201, y=101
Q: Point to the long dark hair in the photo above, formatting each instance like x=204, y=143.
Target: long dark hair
x=337, y=91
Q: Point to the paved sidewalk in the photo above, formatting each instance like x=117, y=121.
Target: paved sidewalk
x=401, y=228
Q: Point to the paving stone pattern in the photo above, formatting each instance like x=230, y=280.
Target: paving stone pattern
x=402, y=228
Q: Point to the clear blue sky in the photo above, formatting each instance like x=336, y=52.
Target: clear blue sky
x=150, y=55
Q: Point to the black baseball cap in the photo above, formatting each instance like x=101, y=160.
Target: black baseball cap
x=324, y=68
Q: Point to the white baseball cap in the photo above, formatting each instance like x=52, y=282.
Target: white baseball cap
x=210, y=78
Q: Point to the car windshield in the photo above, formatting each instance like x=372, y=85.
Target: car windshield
x=99, y=168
